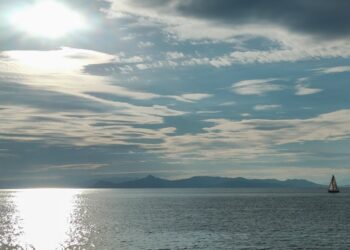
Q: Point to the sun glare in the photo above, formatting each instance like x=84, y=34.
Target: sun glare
x=45, y=216
x=47, y=19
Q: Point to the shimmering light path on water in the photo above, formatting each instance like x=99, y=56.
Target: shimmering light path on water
x=48, y=219
x=37, y=218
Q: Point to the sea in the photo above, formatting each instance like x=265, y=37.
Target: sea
x=212, y=219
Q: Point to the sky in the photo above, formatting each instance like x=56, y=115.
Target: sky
x=96, y=89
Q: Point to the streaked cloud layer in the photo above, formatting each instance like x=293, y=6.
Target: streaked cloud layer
x=178, y=88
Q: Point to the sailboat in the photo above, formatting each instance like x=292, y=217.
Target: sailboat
x=333, y=188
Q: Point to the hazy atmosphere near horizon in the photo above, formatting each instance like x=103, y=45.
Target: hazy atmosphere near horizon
x=97, y=89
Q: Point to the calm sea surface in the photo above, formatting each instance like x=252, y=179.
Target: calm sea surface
x=174, y=219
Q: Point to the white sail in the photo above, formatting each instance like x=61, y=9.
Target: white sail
x=333, y=185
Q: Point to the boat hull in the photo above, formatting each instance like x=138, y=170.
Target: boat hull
x=333, y=191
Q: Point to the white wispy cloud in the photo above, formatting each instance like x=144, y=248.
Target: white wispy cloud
x=189, y=97
x=294, y=52
x=250, y=139
x=302, y=89
x=266, y=107
x=76, y=166
x=174, y=55
x=63, y=71
x=208, y=112
x=196, y=96
x=333, y=70
x=306, y=50
x=227, y=103
x=142, y=44
x=255, y=86
x=118, y=127
x=238, y=140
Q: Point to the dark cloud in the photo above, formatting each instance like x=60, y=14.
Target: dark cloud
x=322, y=17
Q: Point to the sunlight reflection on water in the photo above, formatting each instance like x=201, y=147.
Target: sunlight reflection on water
x=44, y=217
x=48, y=219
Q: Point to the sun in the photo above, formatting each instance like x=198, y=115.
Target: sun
x=48, y=19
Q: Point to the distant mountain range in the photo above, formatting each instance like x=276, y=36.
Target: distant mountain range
x=207, y=182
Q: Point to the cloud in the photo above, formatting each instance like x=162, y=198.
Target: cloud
x=143, y=45
x=299, y=50
x=250, y=139
x=114, y=101
x=325, y=18
x=78, y=166
x=174, y=55
x=208, y=112
x=302, y=89
x=333, y=70
x=64, y=71
x=266, y=107
x=63, y=60
x=255, y=86
x=195, y=96
x=189, y=97
x=298, y=30
x=84, y=128
x=290, y=49
x=328, y=126
x=227, y=103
